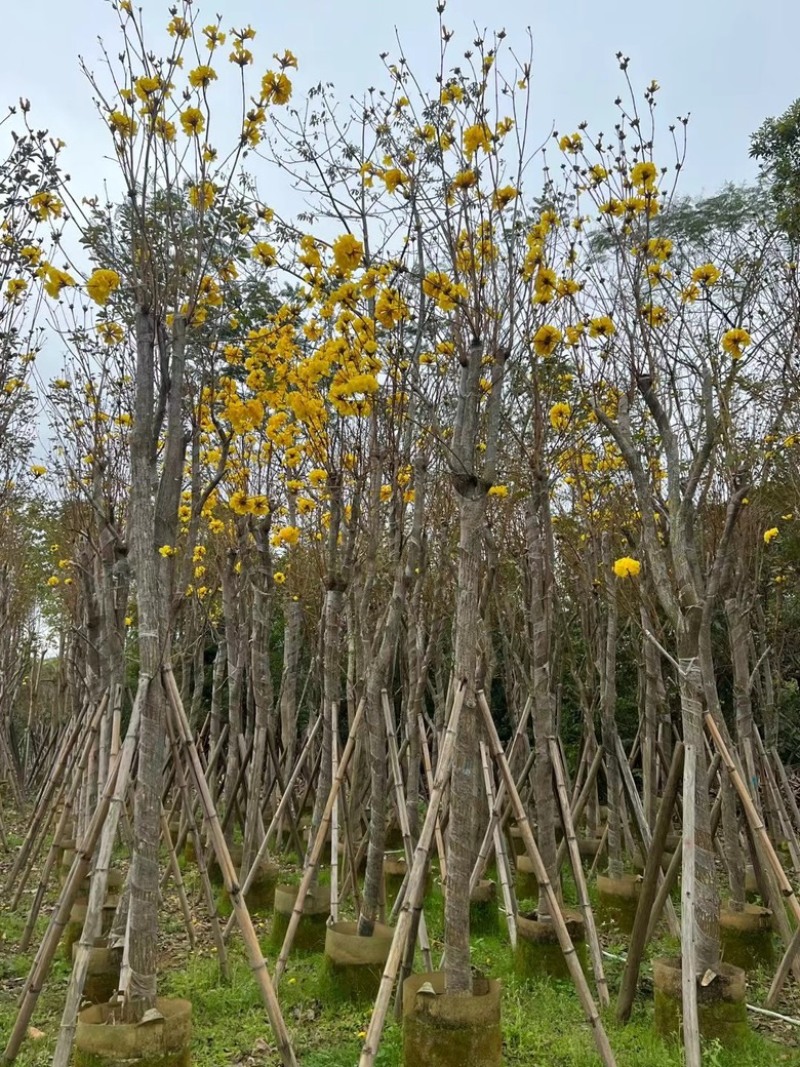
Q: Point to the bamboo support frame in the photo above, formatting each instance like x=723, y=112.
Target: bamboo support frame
x=40, y=968
x=691, y=1019
x=641, y=923
x=97, y=891
x=317, y=847
x=256, y=959
x=404, y=937
x=501, y=856
x=283, y=804
x=585, y=906
x=545, y=887
x=402, y=816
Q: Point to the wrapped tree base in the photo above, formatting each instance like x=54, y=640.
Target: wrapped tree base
x=310, y=936
x=102, y=978
x=394, y=872
x=746, y=937
x=751, y=884
x=617, y=900
x=77, y=917
x=516, y=844
x=721, y=1004
x=162, y=1043
x=214, y=869
x=260, y=897
x=450, y=1031
x=483, y=918
x=589, y=847
x=538, y=953
x=355, y=964
x=526, y=885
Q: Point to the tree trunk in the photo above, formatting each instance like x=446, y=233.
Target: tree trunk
x=465, y=781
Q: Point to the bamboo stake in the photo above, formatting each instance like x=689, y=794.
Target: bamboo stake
x=787, y=789
x=176, y=874
x=787, y=962
x=205, y=882
x=546, y=888
x=501, y=857
x=577, y=807
x=317, y=847
x=404, y=932
x=691, y=1019
x=97, y=889
x=334, y=916
x=577, y=869
x=60, y=916
x=61, y=767
x=638, y=941
x=754, y=819
x=402, y=817
x=426, y=761
x=761, y=838
x=52, y=855
x=499, y=813
x=644, y=830
x=282, y=806
x=783, y=798
x=257, y=962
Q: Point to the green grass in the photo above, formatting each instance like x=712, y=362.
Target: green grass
x=542, y=1021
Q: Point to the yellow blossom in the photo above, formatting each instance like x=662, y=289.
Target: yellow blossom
x=571, y=143
x=735, y=341
x=659, y=248
x=348, y=252
x=627, y=567
x=102, y=284
x=560, y=415
x=546, y=339
x=644, y=174
x=601, y=327
x=46, y=205
x=475, y=137
x=166, y=551
x=276, y=88
x=202, y=76
x=498, y=490
x=192, y=121
x=56, y=280
x=770, y=535
x=706, y=274
x=202, y=196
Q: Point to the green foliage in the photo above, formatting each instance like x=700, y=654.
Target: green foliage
x=776, y=144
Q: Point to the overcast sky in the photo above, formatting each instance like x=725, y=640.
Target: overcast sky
x=728, y=62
